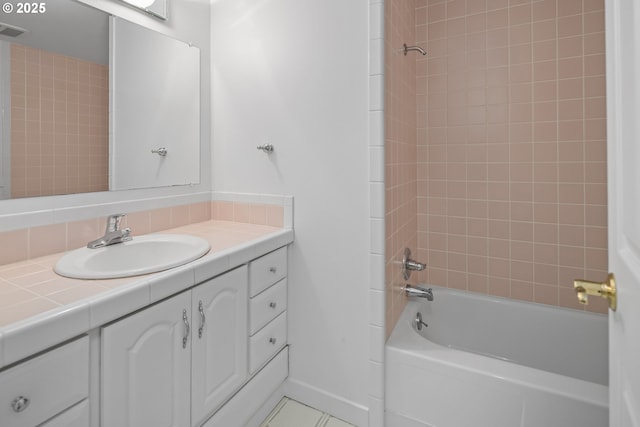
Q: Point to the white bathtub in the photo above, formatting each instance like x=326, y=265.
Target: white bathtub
x=494, y=362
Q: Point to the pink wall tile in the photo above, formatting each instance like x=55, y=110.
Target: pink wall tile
x=180, y=215
x=14, y=247
x=47, y=239
x=275, y=216
x=159, y=219
x=138, y=222
x=199, y=212
x=59, y=135
x=79, y=233
x=241, y=212
x=511, y=155
x=222, y=210
x=403, y=97
x=261, y=214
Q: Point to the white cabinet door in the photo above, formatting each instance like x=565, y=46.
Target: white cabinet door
x=219, y=354
x=146, y=367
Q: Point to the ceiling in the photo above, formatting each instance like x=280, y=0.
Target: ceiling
x=65, y=27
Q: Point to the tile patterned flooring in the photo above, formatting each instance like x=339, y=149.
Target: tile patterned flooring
x=289, y=413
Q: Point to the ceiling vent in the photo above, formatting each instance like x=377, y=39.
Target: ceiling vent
x=10, y=30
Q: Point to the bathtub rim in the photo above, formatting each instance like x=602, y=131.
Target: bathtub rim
x=406, y=346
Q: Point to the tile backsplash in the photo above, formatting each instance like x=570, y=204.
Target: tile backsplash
x=32, y=242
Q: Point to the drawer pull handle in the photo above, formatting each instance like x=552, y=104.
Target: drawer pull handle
x=272, y=305
x=273, y=269
x=187, y=328
x=20, y=403
x=272, y=340
x=202, y=319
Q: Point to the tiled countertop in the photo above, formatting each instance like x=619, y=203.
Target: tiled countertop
x=39, y=309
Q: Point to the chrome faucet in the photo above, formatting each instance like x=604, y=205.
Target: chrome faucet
x=418, y=291
x=113, y=233
x=409, y=265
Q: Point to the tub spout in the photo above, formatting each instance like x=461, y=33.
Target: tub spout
x=418, y=291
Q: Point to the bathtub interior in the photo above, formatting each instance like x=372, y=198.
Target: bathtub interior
x=563, y=341
x=436, y=385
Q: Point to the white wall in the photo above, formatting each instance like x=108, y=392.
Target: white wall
x=294, y=73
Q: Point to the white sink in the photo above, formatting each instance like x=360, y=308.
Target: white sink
x=141, y=255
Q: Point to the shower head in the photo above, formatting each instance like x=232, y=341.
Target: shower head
x=411, y=48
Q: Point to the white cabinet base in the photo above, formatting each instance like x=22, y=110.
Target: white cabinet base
x=77, y=416
x=240, y=409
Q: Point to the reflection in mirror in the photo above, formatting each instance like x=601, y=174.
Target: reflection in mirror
x=58, y=90
x=155, y=109
x=54, y=95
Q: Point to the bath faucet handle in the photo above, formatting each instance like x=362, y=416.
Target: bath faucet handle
x=113, y=222
x=415, y=265
x=409, y=265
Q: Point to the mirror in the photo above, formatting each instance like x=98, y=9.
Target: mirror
x=55, y=80
x=152, y=134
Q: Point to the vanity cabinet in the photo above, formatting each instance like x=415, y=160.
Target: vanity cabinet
x=44, y=387
x=211, y=353
x=175, y=362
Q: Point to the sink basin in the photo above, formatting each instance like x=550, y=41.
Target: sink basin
x=142, y=255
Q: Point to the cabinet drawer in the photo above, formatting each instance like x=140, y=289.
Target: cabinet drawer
x=50, y=383
x=267, y=270
x=78, y=416
x=267, y=342
x=265, y=306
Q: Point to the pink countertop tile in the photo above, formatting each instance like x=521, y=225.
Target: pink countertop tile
x=32, y=294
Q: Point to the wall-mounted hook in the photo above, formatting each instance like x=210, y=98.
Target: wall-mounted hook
x=267, y=148
x=160, y=151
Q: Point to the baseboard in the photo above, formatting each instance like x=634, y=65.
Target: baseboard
x=339, y=407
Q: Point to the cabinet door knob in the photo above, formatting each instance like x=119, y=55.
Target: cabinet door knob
x=272, y=340
x=272, y=269
x=20, y=403
x=272, y=304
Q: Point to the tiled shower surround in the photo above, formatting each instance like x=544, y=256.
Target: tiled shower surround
x=400, y=149
x=511, y=146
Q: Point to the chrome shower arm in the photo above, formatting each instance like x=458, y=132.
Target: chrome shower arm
x=413, y=48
